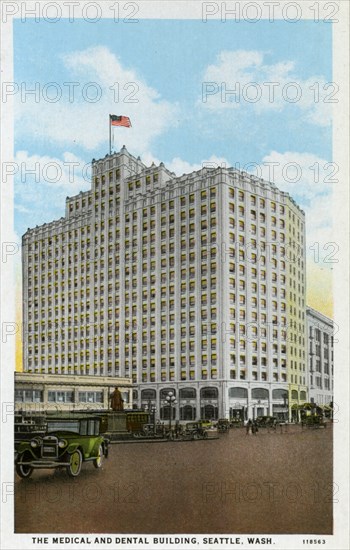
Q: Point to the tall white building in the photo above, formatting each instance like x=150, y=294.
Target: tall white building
x=320, y=357
x=192, y=284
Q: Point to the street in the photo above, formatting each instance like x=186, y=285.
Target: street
x=265, y=483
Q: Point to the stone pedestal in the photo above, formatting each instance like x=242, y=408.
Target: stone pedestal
x=116, y=422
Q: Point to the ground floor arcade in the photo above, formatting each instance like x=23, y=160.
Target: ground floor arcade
x=221, y=399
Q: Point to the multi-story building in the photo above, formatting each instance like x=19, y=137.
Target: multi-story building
x=192, y=284
x=320, y=357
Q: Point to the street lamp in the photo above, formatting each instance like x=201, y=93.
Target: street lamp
x=153, y=409
x=146, y=409
x=150, y=408
x=286, y=404
x=170, y=400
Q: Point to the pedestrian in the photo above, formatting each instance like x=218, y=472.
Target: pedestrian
x=249, y=427
x=255, y=427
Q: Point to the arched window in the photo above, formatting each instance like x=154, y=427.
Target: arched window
x=260, y=393
x=240, y=393
x=148, y=394
x=279, y=394
x=294, y=394
x=303, y=395
x=209, y=393
x=187, y=393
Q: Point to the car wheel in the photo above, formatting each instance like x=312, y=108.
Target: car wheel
x=75, y=462
x=99, y=459
x=24, y=470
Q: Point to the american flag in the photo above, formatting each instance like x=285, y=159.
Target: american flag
x=120, y=121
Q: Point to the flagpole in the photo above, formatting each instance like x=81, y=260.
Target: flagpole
x=110, y=136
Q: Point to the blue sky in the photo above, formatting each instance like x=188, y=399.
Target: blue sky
x=166, y=63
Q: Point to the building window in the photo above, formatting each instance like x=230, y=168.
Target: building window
x=91, y=397
x=61, y=396
x=29, y=396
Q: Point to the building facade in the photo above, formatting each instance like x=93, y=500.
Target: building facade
x=192, y=284
x=320, y=357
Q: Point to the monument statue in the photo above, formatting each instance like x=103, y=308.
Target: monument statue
x=117, y=402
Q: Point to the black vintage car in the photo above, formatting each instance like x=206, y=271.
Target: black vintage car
x=66, y=443
x=313, y=421
x=223, y=425
x=194, y=430
x=266, y=422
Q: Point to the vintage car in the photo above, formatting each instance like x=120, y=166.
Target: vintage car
x=206, y=424
x=266, y=422
x=67, y=443
x=194, y=430
x=313, y=421
x=236, y=422
x=152, y=431
x=223, y=425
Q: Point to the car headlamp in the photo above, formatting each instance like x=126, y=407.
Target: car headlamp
x=62, y=443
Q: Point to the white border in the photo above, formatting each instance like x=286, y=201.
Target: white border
x=192, y=10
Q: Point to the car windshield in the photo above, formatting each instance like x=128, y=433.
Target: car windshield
x=62, y=426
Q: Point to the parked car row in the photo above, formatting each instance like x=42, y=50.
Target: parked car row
x=67, y=441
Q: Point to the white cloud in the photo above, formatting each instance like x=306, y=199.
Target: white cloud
x=42, y=184
x=303, y=175
x=86, y=123
x=264, y=87
x=22, y=209
x=234, y=66
x=71, y=172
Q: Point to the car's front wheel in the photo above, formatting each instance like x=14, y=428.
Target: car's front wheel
x=99, y=459
x=23, y=470
x=75, y=462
